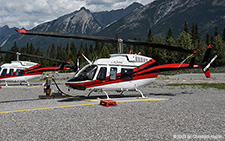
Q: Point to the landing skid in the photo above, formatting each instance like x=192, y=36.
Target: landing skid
x=28, y=84
x=142, y=95
x=100, y=91
x=6, y=84
x=107, y=96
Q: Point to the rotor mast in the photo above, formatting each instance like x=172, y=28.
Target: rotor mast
x=18, y=56
x=120, y=46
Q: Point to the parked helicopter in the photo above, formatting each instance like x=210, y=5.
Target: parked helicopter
x=23, y=71
x=123, y=72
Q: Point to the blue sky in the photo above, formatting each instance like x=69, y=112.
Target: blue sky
x=29, y=13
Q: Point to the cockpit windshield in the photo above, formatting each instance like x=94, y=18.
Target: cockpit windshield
x=87, y=73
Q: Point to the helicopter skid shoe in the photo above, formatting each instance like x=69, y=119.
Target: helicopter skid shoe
x=6, y=84
x=90, y=93
x=106, y=94
x=121, y=94
x=142, y=95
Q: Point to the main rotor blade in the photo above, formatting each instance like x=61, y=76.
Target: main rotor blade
x=11, y=52
x=35, y=56
x=103, y=39
x=157, y=45
x=67, y=35
x=46, y=58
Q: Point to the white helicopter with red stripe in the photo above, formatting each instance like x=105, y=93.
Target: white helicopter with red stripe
x=123, y=72
x=23, y=71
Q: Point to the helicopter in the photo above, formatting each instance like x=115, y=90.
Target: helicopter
x=123, y=72
x=23, y=71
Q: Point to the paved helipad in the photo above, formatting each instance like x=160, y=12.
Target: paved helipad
x=76, y=102
x=183, y=112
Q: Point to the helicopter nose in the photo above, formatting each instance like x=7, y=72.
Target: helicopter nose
x=76, y=86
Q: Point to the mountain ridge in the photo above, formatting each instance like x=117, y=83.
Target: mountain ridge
x=161, y=15
x=81, y=21
x=158, y=16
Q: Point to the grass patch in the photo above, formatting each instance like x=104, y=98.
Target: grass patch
x=203, y=85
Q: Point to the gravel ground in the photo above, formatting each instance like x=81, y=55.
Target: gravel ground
x=191, y=113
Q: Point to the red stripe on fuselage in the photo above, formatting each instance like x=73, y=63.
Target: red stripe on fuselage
x=14, y=75
x=28, y=69
x=142, y=72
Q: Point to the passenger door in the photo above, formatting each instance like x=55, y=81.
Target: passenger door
x=102, y=73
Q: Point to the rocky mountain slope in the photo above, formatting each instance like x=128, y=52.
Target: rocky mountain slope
x=81, y=22
x=161, y=15
x=134, y=21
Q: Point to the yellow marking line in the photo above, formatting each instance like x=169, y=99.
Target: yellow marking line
x=67, y=106
x=89, y=100
x=126, y=101
x=5, y=87
x=141, y=100
x=57, y=107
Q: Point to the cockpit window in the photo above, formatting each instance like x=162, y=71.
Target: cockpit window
x=4, y=72
x=88, y=73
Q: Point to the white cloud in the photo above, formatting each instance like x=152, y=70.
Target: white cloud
x=29, y=13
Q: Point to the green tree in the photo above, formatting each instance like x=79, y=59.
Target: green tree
x=207, y=39
x=86, y=51
x=169, y=34
x=224, y=34
x=171, y=55
x=185, y=27
x=1, y=57
x=12, y=57
x=61, y=53
x=212, y=39
x=39, y=51
x=184, y=40
x=216, y=33
x=52, y=52
x=150, y=36
x=157, y=53
x=195, y=36
x=73, y=53
x=218, y=48
x=67, y=52
x=104, y=52
x=31, y=49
